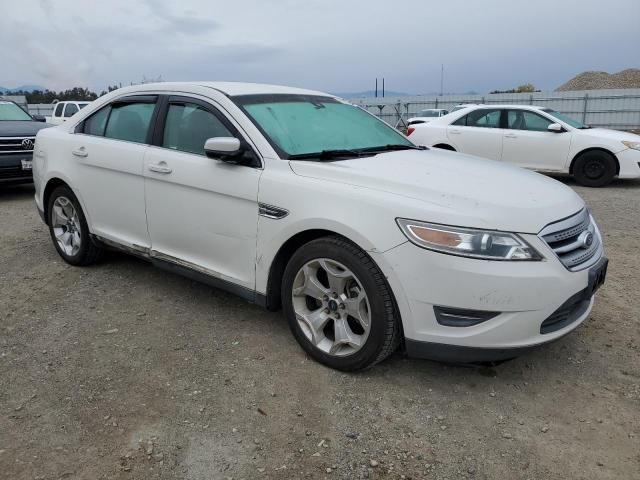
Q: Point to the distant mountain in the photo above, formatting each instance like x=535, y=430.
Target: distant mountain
x=24, y=88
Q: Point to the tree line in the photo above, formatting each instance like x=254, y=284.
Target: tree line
x=75, y=93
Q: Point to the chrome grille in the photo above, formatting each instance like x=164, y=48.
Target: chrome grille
x=567, y=240
x=14, y=144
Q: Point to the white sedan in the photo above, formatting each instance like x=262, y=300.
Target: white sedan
x=295, y=199
x=536, y=138
x=425, y=116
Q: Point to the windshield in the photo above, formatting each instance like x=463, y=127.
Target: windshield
x=305, y=124
x=564, y=118
x=11, y=111
x=428, y=113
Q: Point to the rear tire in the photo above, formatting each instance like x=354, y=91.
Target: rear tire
x=69, y=230
x=339, y=306
x=594, y=169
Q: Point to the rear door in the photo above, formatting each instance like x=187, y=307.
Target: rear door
x=478, y=133
x=527, y=142
x=202, y=212
x=108, y=149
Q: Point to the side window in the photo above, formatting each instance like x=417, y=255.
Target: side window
x=70, y=110
x=484, y=118
x=129, y=121
x=526, y=120
x=188, y=126
x=95, y=124
x=461, y=122
x=58, y=110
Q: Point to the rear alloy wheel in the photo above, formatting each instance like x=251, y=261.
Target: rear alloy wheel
x=69, y=230
x=594, y=169
x=339, y=305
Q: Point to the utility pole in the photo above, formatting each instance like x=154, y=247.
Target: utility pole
x=376, y=87
x=442, y=79
x=382, y=87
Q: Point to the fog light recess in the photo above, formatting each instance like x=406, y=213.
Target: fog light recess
x=459, y=317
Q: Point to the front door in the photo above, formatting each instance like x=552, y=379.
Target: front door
x=527, y=142
x=201, y=212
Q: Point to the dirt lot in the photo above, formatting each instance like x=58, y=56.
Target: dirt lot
x=124, y=371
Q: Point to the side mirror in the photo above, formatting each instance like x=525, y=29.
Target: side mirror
x=229, y=150
x=555, y=128
x=220, y=147
x=39, y=118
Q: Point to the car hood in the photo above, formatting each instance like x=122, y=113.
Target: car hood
x=605, y=133
x=455, y=189
x=10, y=128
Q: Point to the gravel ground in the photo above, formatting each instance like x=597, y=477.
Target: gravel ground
x=124, y=371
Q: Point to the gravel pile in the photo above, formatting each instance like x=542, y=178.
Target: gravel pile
x=629, y=78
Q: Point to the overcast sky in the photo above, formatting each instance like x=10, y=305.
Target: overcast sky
x=331, y=45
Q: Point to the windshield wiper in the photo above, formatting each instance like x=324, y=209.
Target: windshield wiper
x=359, y=152
x=392, y=147
x=585, y=127
x=327, y=154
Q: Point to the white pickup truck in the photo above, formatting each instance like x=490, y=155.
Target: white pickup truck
x=64, y=110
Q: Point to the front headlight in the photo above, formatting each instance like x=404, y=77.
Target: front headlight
x=468, y=242
x=633, y=145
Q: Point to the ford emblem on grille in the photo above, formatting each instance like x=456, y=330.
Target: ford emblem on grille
x=27, y=144
x=585, y=239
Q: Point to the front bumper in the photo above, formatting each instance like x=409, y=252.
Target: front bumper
x=629, y=161
x=11, y=170
x=525, y=293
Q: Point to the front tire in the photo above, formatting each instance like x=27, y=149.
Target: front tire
x=69, y=230
x=339, y=306
x=594, y=169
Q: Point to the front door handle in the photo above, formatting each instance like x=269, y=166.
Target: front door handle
x=454, y=132
x=160, y=168
x=80, y=152
x=510, y=135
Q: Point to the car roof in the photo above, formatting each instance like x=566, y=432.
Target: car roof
x=231, y=89
x=496, y=105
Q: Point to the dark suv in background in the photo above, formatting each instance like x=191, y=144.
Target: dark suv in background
x=17, y=135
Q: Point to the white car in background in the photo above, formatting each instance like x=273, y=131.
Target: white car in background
x=536, y=138
x=366, y=241
x=425, y=116
x=64, y=110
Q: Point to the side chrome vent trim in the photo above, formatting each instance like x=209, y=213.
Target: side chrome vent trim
x=271, y=211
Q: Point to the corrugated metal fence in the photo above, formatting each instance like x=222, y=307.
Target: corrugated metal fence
x=41, y=108
x=619, y=109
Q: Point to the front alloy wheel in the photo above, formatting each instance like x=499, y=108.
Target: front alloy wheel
x=339, y=305
x=331, y=307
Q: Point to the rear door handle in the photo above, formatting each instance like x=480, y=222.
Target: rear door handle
x=80, y=152
x=160, y=168
x=510, y=135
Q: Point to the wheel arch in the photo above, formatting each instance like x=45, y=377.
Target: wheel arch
x=54, y=181
x=594, y=149
x=51, y=185
x=281, y=259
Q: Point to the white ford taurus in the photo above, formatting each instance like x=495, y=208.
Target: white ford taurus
x=536, y=138
x=295, y=199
